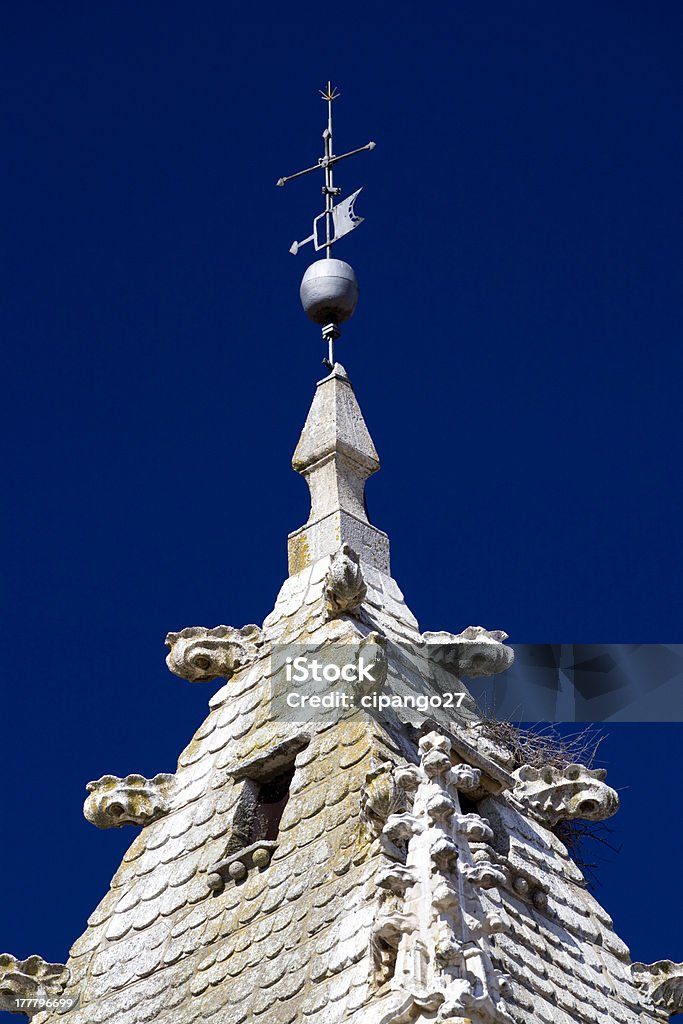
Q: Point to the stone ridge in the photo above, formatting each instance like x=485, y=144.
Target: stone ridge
x=300, y=940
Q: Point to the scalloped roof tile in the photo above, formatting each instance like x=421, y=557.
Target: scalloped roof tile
x=293, y=942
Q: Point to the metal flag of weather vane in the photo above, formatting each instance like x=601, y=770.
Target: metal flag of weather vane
x=329, y=290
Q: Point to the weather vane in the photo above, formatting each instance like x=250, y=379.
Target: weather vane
x=329, y=290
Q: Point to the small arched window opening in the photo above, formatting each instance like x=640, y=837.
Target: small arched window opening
x=271, y=800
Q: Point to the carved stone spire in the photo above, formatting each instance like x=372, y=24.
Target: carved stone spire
x=336, y=456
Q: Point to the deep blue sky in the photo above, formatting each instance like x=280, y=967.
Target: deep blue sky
x=516, y=352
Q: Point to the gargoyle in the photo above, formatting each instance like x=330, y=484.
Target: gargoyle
x=561, y=794
x=134, y=800
x=662, y=983
x=474, y=652
x=31, y=979
x=344, y=584
x=201, y=654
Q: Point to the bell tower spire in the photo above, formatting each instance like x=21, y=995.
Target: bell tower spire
x=335, y=453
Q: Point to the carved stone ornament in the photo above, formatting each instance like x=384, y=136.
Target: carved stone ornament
x=237, y=866
x=200, y=654
x=431, y=934
x=134, y=800
x=381, y=797
x=662, y=983
x=344, y=584
x=474, y=652
x=561, y=794
x=32, y=978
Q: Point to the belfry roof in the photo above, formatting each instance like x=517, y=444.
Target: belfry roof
x=415, y=874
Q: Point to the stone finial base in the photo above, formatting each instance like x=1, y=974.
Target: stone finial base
x=315, y=540
x=336, y=455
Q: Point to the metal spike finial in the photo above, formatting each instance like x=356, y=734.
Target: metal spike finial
x=331, y=93
x=329, y=291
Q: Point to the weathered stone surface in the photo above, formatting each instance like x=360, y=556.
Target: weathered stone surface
x=336, y=456
x=474, y=652
x=662, y=983
x=381, y=797
x=236, y=867
x=551, y=794
x=133, y=800
x=201, y=654
x=345, y=587
x=30, y=979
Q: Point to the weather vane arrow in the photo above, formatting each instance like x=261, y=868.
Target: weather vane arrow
x=329, y=289
x=338, y=220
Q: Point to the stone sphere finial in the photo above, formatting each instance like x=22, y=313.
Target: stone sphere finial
x=329, y=291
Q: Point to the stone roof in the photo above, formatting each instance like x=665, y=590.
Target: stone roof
x=415, y=875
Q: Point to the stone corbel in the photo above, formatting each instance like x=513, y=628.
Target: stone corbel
x=662, y=983
x=400, y=828
x=237, y=866
x=200, y=654
x=134, y=800
x=485, y=874
x=465, y=778
x=345, y=588
x=31, y=979
x=474, y=652
x=551, y=795
x=392, y=924
x=395, y=878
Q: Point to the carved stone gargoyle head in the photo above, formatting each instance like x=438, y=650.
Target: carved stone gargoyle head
x=552, y=794
x=32, y=978
x=662, y=983
x=474, y=652
x=134, y=800
x=200, y=654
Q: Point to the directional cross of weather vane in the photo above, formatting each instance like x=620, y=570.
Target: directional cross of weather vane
x=338, y=220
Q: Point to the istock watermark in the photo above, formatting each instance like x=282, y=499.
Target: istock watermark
x=308, y=668
x=339, y=680
x=338, y=699
x=415, y=682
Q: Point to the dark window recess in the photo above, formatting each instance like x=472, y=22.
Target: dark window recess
x=271, y=801
x=467, y=806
